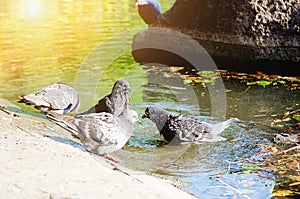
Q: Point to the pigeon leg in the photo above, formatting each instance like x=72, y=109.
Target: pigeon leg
x=109, y=157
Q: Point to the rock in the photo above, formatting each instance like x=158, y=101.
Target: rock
x=245, y=36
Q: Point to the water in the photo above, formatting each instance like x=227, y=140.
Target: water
x=87, y=45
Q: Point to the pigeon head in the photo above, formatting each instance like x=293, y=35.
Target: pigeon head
x=119, y=99
x=121, y=85
x=156, y=115
x=133, y=116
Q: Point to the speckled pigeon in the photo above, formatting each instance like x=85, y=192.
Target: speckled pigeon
x=184, y=128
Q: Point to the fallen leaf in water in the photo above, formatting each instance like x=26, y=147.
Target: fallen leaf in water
x=294, y=178
x=263, y=83
x=293, y=165
x=297, y=117
x=274, y=149
x=234, y=140
x=176, y=68
x=282, y=193
x=251, y=83
x=263, y=111
x=262, y=115
x=282, y=172
x=286, y=119
x=294, y=184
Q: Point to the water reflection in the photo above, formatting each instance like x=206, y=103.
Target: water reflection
x=33, y=11
x=46, y=41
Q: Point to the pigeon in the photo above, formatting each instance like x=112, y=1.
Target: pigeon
x=184, y=128
x=101, y=133
x=149, y=10
x=58, y=97
x=116, y=102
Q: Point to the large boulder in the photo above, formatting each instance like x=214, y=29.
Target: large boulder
x=240, y=35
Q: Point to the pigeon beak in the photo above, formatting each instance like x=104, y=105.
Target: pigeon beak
x=139, y=121
x=129, y=89
x=145, y=116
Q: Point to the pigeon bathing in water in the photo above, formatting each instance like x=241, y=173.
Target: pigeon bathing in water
x=58, y=97
x=101, y=133
x=185, y=128
x=149, y=10
x=116, y=102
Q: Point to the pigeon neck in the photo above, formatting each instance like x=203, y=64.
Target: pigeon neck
x=127, y=122
x=120, y=101
x=161, y=120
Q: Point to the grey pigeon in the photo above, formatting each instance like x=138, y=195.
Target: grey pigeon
x=102, y=133
x=116, y=102
x=184, y=128
x=58, y=97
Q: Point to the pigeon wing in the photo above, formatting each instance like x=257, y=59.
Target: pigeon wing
x=191, y=128
x=103, y=105
x=66, y=122
x=101, y=132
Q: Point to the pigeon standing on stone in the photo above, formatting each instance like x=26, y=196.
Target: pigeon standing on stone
x=116, y=102
x=107, y=126
x=102, y=133
x=58, y=97
x=183, y=128
x=149, y=10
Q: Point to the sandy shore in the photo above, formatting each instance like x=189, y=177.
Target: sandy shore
x=34, y=166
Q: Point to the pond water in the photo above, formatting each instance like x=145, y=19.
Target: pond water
x=87, y=45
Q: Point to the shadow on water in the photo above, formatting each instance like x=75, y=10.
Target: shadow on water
x=53, y=46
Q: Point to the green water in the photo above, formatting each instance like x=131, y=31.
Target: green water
x=87, y=45
x=42, y=42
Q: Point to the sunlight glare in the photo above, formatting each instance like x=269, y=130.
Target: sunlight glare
x=32, y=8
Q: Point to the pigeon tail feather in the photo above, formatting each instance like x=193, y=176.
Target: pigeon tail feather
x=66, y=122
x=221, y=126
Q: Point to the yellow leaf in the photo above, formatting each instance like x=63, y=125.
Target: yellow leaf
x=282, y=172
x=175, y=68
x=295, y=183
x=282, y=193
x=294, y=178
x=274, y=149
x=286, y=119
x=235, y=139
